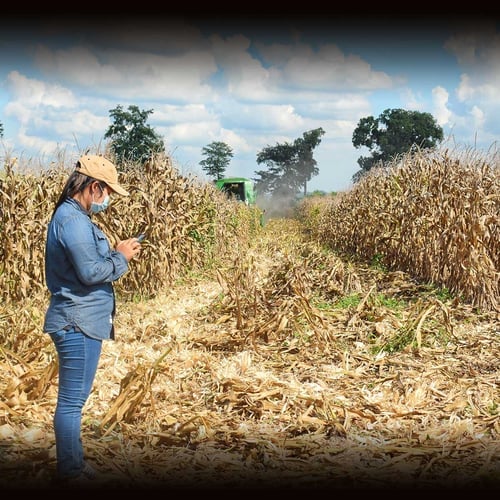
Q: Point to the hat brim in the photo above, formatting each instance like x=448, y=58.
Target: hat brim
x=118, y=189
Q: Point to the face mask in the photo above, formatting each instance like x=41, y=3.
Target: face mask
x=95, y=208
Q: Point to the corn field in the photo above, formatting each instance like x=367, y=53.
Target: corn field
x=436, y=217
x=354, y=345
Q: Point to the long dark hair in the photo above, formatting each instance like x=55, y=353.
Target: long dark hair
x=76, y=183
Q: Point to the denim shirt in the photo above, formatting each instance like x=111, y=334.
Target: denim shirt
x=80, y=267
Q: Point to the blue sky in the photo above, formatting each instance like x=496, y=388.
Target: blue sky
x=250, y=82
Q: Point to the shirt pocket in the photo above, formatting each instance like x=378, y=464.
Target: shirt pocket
x=102, y=243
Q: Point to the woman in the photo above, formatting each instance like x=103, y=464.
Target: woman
x=80, y=268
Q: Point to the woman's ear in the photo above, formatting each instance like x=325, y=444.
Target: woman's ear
x=96, y=188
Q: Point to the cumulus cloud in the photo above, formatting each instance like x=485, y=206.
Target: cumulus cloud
x=280, y=72
x=411, y=100
x=234, y=85
x=48, y=110
x=187, y=133
x=326, y=68
x=28, y=94
x=477, y=51
x=243, y=75
x=175, y=113
x=238, y=143
x=340, y=106
x=129, y=75
x=36, y=143
x=476, y=48
x=440, y=101
x=478, y=117
x=264, y=117
x=472, y=88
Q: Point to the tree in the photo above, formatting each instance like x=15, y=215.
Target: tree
x=1, y=129
x=131, y=138
x=218, y=155
x=394, y=132
x=306, y=164
x=290, y=165
x=279, y=179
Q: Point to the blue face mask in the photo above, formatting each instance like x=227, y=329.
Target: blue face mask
x=95, y=208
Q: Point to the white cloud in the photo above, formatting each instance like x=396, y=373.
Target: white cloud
x=189, y=133
x=238, y=143
x=29, y=94
x=471, y=88
x=478, y=117
x=477, y=51
x=326, y=69
x=440, y=100
x=36, y=143
x=244, y=76
x=172, y=113
x=131, y=74
x=329, y=69
x=266, y=117
x=340, y=106
x=240, y=89
x=411, y=101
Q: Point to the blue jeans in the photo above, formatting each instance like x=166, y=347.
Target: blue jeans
x=78, y=359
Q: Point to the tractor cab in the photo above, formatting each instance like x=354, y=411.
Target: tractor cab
x=239, y=188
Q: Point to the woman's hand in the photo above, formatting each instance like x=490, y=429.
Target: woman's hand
x=129, y=248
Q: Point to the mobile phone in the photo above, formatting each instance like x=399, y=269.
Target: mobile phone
x=140, y=237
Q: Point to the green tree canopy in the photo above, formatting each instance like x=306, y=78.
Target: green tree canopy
x=394, y=132
x=131, y=138
x=1, y=129
x=279, y=178
x=290, y=165
x=217, y=158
